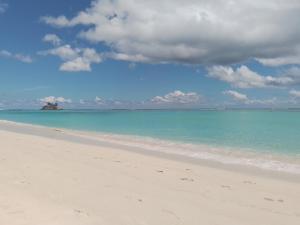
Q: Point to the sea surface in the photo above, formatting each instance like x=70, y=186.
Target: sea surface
x=257, y=131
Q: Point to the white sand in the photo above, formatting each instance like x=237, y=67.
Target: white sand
x=46, y=181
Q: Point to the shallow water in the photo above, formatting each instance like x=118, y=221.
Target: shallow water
x=250, y=130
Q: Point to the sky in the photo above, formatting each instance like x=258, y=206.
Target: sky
x=150, y=54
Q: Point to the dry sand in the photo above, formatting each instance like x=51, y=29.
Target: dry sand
x=53, y=180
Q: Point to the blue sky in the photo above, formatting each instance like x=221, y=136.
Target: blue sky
x=137, y=54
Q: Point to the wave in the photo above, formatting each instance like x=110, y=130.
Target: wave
x=224, y=155
x=229, y=156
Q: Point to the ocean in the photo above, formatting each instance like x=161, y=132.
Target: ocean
x=263, y=132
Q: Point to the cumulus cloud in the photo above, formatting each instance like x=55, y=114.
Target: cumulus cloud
x=53, y=100
x=177, y=97
x=3, y=6
x=191, y=31
x=17, y=56
x=53, y=39
x=74, y=59
x=243, y=77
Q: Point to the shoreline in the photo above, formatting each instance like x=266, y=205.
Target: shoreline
x=55, y=176
x=244, y=162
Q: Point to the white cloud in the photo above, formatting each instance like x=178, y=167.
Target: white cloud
x=99, y=100
x=243, y=77
x=191, y=31
x=82, y=101
x=236, y=95
x=23, y=58
x=17, y=56
x=266, y=102
x=3, y=6
x=74, y=59
x=5, y=53
x=76, y=65
x=295, y=93
x=65, y=52
x=53, y=39
x=173, y=99
x=280, y=61
x=244, y=99
x=177, y=97
x=125, y=57
x=52, y=99
x=60, y=21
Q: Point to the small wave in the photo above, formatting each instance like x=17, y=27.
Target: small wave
x=224, y=155
x=229, y=156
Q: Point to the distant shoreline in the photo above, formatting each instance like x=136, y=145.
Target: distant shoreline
x=163, y=109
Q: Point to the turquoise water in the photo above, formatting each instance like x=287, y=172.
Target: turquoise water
x=263, y=131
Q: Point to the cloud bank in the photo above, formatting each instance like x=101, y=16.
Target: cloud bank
x=192, y=31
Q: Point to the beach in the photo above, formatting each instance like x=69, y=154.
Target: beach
x=49, y=178
x=150, y=112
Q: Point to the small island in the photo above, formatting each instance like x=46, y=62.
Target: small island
x=51, y=106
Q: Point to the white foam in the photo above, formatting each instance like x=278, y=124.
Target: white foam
x=230, y=156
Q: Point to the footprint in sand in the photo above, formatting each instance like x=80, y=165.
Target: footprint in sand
x=226, y=186
x=159, y=171
x=187, y=179
x=248, y=182
x=272, y=200
x=269, y=199
x=80, y=212
x=58, y=130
